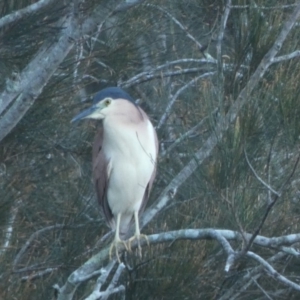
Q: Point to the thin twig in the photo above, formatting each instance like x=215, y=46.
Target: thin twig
x=36, y=234
x=174, y=98
x=219, y=54
x=185, y=135
x=263, y=291
x=39, y=274
x=146, y=76
x=177, y=23
x=280, y=7
x=243, y=282
x=271, y=271
x=10, y=227
x=269, y=208
x=258, y=178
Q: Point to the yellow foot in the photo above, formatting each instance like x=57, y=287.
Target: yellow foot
x=115, y=244
x=138, y=238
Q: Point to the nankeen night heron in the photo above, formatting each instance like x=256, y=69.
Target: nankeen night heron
x=124, y=160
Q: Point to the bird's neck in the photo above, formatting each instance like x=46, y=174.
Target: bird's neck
x=122, y=135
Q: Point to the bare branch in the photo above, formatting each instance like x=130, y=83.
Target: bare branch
x=177, y=23
x=154, y=73
x=272, y=272
x=39, y=274
x=32, y=80
x=22, y=93
x=223, y=123
x=111, y=289
x=135, y=79
x=146, y=76
x=287, y=6
x=263, y=291
x=174, y=98
x=88, y=269
x=37, y=234
x=258, y=178
x=79, y=56
x=286, y=57
x=244, y=281
x=24, y=12
x=219, y=53
x=127, y=5
x=10, y=228
x=185, y=135
x=269, y=208
x=231, y=255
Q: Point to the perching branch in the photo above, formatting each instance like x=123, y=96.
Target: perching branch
x=205, y=151
x=93, y=265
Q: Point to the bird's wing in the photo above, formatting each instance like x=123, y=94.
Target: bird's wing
x=101, y=173
x=150, y=183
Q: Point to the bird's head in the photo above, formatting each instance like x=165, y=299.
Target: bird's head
x=97, y=111
x=107, y=101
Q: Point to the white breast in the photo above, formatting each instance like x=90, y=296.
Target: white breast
x=132, y=152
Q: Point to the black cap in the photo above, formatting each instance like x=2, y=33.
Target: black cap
x=112, y=92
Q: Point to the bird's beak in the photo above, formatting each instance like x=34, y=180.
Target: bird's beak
x=85, y=114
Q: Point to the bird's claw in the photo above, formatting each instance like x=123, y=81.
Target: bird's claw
x=115, y=244
x=138, y=238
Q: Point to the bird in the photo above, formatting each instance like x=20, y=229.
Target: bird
x=124, y=161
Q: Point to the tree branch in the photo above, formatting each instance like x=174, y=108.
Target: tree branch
x=269, y=208
x=146, y=76
x=36, y=235
x=244, y=281
x=10, y=228
x=223, y=124
x=185, y=135
x=24, y=12
x=286, y=57
x=174, y=98
x=219, y=54
x=258, y=178
x=271, y=271
x=127, y=5
x=29, y=85
x=177, y=23
x=93, y=265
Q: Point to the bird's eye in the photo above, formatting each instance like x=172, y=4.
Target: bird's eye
x=107, y=102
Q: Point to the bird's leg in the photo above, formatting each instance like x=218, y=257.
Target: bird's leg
x=117, y=240
x=137, y=234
